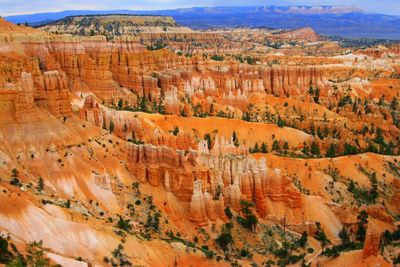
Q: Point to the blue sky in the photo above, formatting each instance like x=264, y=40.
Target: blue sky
x=10, y=7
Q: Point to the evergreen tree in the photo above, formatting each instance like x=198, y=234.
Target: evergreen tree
x=316, y=95
x=143, y=104
x=111, y=126
x=321, y=236
x=40, y=185
x=235, y=139
x=207, y=137
x=315, y=149
x=264, y=148
x=303, y=239
x=275, y=146
x=120, y=102
x=286, y=147
x=225, y=239
x=256, y=149
x=280, y=122
x=379, y=139
x=344, y=236
x=331, y=152
x=36, y=256
x=362, y=223
x=249, y=220
x=395, y=103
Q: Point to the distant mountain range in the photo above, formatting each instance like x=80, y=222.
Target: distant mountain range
x=345, y=21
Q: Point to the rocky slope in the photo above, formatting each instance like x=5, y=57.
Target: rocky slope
x=113, y=153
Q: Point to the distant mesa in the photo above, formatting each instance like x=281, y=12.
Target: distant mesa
x=319, y=10
x=114, y=24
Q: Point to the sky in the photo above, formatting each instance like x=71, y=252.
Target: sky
x=14, y=7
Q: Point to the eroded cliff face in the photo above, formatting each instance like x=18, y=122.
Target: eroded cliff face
x=102, y=67
x=75, y=114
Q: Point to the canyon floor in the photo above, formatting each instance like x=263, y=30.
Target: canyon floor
x=152, y=144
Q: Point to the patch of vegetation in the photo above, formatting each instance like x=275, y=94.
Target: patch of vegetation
x=394, y=168
x=14, y=178
x=225, y=238
x=286, y=256
x=159, y=44
x=124, y=224
x=228, y=212
x=364, y=195
x=321, y=236
x=360, y=42
x=249, y=220
x=40, y=185
x=5, y=255
x=35, y=255
x=153, y=222
x=119, y=257
x=217, y=58
x=346, y=243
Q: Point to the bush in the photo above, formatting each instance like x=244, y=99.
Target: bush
x=5, y=254
x=14, y=178
x=302, y=242
x=245, y=253
x=153, y=222
x=321, y=236
x=67, y=204
x=40, y=185
x=175, y=131
x=363, y=195
x=207, y=252
x=264, y=148
x=35, y=255
x=362, y=223
x=225, y=239
x=124, y=224
x=217, y=58
x=228, y=212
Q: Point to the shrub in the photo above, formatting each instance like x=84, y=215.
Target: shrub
x=228, y=212
x=362, y=222
x=40, y=185
x=124, y=224
x=5, y=254
x=321, y=236
x=245, y=253
x=302, y=242
x=225, y=239
x=67, y=204
x=153, y=222
x=111, y=127
x=175, y=131
x=14, y=178
x=217, y=58
x=35, y=255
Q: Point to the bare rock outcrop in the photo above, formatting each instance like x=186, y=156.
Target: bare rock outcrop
x=372, y=241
